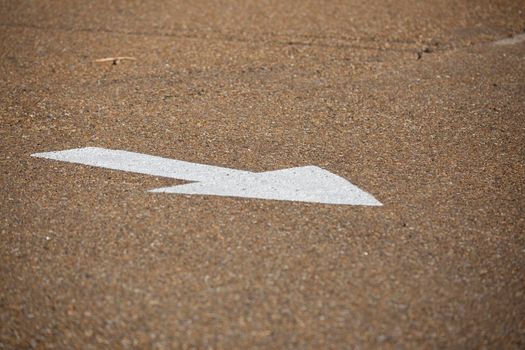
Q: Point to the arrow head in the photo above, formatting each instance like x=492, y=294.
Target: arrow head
x=303, y=184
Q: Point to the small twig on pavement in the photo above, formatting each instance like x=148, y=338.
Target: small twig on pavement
x=115, y=60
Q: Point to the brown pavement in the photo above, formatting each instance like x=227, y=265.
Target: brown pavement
x=410, y=100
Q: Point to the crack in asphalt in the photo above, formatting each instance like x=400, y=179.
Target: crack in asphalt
x=414, y=46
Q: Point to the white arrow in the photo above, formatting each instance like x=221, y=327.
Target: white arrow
x=303, y=184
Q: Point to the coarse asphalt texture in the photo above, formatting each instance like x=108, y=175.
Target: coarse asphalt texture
x=420, y=103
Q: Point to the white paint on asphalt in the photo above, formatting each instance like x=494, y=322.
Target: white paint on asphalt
x=303, y=184
x=140, y=163
x=512, y=40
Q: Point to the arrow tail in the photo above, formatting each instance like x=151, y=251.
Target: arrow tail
x=141, y=163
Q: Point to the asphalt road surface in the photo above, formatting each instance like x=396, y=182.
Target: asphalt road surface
x=419, y=103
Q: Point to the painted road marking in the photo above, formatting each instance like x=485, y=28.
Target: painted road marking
x=302, y=184
x=516, y=39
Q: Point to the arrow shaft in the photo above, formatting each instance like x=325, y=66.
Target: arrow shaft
x=142, y=164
